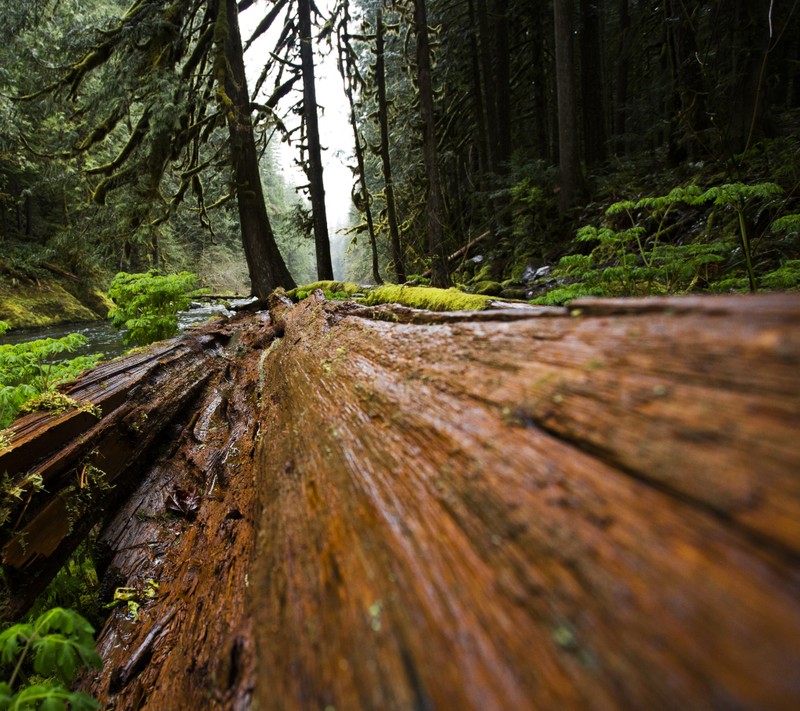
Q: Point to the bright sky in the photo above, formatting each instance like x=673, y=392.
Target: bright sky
x=334, y=123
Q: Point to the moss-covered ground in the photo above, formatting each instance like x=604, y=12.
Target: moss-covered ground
x=27, y=305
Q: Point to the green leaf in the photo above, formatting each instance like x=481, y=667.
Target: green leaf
x=12, y=639
x=6, y=695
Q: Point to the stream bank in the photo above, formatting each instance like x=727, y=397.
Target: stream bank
x=28, y=304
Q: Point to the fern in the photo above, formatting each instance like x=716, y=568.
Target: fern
x=636, y=260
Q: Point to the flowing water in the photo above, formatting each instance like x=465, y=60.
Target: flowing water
x=101, y=336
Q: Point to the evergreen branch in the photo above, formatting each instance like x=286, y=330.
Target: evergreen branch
x=136, y=138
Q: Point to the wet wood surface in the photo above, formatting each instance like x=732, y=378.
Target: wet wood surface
x=589, y=508
x=86, y=463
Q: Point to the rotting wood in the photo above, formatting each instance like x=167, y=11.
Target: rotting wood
x=588, y=508
x=192, y=644
x=139, y=398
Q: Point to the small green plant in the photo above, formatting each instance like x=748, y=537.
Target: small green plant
x=75, y=586
x=53, y=647
x=32, y=369
x=147, y=305
x=134, y=597
x=638, y=259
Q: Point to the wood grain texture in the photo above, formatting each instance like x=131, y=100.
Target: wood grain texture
x=589, y=511
x=138, y=397
x=592, y=508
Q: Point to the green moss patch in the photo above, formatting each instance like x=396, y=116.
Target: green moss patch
x=28, y=305
x=423, y=297
x=487, y=288
x=331, y=289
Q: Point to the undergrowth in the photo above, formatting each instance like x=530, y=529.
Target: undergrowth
x=687, y=240
x=32, y=370
x=146, y=305
x=42, y=658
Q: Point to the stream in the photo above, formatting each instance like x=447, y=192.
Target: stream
x=101, y=336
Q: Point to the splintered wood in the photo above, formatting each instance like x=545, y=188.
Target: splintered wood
x=380, y=508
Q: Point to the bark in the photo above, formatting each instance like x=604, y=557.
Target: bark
x=538, y=508
x=139, y=397
x=386, y=163
x=435, y=207
x=571, y=186
x=264, y=261
x=315, y=181
x=190, y=529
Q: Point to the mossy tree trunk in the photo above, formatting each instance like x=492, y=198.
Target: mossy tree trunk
x=386, y=161
x=440, y=276
x=313, y=147
x=264, y=261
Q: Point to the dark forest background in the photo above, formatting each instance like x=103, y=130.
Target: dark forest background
x=126, y=132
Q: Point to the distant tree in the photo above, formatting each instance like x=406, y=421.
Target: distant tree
x=266, y=266
x=386, y=161
x=435, y=208
x=311, y=119
x=592, y=86
x=352, y=81
x=568, y=139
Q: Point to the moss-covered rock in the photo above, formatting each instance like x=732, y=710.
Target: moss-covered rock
x=423, y=297
x=25, y=305
x=487, y=288
x=92, y=298
x=485, y=273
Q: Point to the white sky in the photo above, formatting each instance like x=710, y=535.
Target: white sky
x=334, y=124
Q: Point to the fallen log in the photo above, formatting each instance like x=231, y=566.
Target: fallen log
x=66, y=472
x=586, y=508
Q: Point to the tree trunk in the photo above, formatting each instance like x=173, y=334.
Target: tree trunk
x=400, y=509
x=689, y=119
x=503, y=79
x=316, y=184
x=568, y=139
x=594, y=113
x=383, y=120
x=489, y=84
x=622, y=62
x=435, y=210
x=264, y=261
x=479, y=103
x=348, y=73
x=751, y=43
